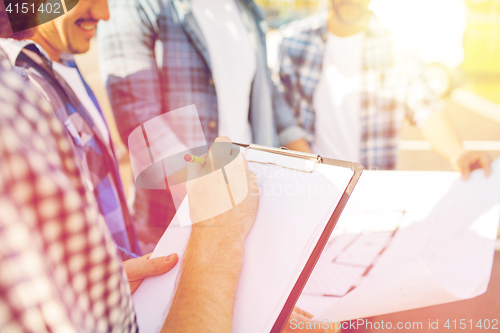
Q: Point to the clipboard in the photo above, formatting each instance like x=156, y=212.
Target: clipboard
x=264, y=272
x=357, y=169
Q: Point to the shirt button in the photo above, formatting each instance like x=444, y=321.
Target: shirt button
x=212, y=124
x=211, y=81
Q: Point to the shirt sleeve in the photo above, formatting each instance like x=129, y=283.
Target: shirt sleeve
x=129, y=65
x=59, y=270
x=286, y=124
x=286, y=82
x=284, y=74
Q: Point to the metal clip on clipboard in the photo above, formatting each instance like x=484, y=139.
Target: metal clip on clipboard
x=285, y=152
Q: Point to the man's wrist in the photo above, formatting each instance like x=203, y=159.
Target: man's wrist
x=215, y=243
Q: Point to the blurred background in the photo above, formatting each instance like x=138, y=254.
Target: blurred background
x=459, y=41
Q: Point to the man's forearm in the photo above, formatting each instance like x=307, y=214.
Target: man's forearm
x=442, y=135
x=206, y=290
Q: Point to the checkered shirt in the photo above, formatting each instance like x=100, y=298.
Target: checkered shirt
x=391, y=88
x=140, y=89
x=59, y=269
x=96, y=159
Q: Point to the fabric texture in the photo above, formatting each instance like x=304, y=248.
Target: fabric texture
x=232, y=56
x=336, y=99
x=391, y=86
x=59, y=269
x=72, y=76
x=95, y=158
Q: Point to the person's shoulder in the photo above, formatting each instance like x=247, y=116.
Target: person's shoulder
x=17, y=94
x=298, y=35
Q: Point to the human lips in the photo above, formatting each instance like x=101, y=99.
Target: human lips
x=87, y=27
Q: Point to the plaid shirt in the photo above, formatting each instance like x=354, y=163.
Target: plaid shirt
x=95, y=157
x=391, y=86
x=154, y=60
x=59, y=269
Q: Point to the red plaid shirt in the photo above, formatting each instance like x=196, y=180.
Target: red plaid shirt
x=59, y=269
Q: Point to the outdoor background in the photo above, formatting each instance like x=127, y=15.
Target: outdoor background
x=459, y=41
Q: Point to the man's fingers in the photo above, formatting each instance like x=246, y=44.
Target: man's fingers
x=253, y=185
x=299, y=323
x=219, y=154
x=134, y=285
x=471, y=161
x=235, y=151
x=485, y=161
x=140, y=268
x=160, y=265
x=193, y=170
x=302, y=312
x=464, y=169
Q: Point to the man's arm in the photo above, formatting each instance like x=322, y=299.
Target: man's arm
x=425, y=110
x=291, y=134
x=445, y=141
x=205, y=294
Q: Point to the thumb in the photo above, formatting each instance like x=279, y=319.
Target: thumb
x=465, y=170
x=485, y=161
x=140, y=268
x=160, y=265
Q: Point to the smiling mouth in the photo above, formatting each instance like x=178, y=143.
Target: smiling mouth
x=86, y=26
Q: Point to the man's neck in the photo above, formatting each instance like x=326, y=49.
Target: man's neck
x=341, y=29
x=53, y=53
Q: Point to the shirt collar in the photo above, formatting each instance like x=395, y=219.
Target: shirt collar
x=13, y=48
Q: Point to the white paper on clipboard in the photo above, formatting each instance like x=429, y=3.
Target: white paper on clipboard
x=440, y=250
x=294, y=208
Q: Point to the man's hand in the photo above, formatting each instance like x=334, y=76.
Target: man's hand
x=217, y=208
x=300, y=321
x=467, y=161
x=212, y=263
x=299, y=145
x=438, y=130
x=143, y=267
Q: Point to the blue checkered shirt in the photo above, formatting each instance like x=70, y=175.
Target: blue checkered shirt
x=392, y=87
x=59, y=269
